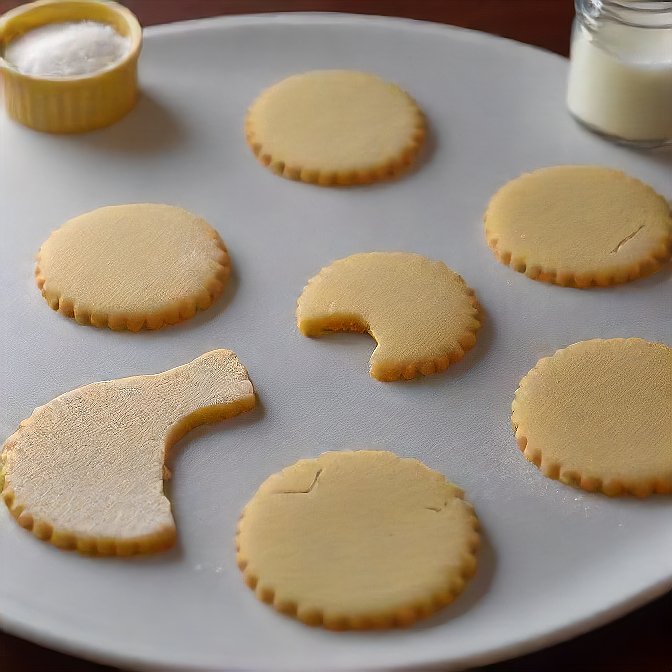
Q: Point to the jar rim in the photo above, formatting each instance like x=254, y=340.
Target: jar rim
x=634, y=13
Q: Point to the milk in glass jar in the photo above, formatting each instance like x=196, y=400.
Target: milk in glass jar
x=620, y=76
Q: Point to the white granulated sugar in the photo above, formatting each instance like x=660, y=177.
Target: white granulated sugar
x=67, y=49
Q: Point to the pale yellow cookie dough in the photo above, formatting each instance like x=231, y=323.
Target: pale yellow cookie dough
x=132, y=266
x=86, y=470
x=579, y=226
x=357, y=540
x=335, y=127
x=422, y=315
x=598, y=415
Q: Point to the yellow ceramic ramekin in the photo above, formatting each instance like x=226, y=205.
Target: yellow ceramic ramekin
x=70, y=104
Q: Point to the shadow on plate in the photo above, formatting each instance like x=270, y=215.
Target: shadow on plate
x=149, y=128
x=219, y=305
x=664, y=275
x=213, y=312
x=661, y=155
x=425, y=156
x=658, y=277
x=474, y=591
x=176, y=553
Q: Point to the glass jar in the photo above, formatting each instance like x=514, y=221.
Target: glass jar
x=620, y=75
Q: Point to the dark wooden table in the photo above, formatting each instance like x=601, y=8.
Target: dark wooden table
x=640, y=642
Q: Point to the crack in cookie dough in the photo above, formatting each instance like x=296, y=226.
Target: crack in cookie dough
x=579, y=226
x=373, y=540
x=630, y=236
x=307, y=491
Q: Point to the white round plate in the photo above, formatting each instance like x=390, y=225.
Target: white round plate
x=555, y=561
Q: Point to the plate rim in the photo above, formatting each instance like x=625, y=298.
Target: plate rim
x=79, y=647
x=20, y=627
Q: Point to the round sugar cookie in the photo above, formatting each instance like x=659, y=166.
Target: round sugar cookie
x=335, y=127
x=579, y=226
x=598, y=415
x=422, y=314
x=357, y=540
x=132, y=266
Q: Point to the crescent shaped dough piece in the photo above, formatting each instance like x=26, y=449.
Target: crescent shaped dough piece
x=422, y=314
x=357, y=540
x=598, y=415
x=138, y=266
x=85, y=471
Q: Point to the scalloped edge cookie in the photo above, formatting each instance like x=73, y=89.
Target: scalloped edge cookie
x=575, y=464
x=324, y=171
x=605, y=272
x=201, y=297
x=373, y=470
